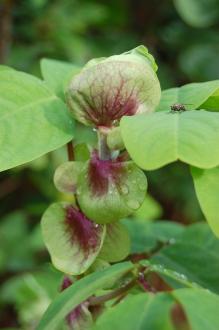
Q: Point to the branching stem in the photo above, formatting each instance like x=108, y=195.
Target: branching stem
x=113, y=294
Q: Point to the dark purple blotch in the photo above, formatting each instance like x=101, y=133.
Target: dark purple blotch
x=102, y=173
x=86, y=232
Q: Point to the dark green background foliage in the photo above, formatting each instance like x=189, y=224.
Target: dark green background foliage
x=183, y=36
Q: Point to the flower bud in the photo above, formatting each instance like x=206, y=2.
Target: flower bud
x=108, y=88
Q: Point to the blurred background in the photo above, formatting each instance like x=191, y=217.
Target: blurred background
x=183, y=36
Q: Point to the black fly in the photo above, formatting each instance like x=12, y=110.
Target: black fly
x=178, y=107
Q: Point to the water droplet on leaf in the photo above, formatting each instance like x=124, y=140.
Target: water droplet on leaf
x=125, y=189
x=172, y=241
x=141, y=185
x=183, y=277
x=133, y=204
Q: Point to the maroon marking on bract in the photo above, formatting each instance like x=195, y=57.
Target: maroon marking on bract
x=107, y=92
x=77, y=315
x=102, y=172
x=82, y=230
x=112, y=110
x=66, y=283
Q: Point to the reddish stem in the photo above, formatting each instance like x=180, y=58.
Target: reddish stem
x=70, y=151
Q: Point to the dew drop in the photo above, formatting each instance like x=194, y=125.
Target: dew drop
x=133, y=204
x=172, y=241
x=96, y=225
x=159, y=268
x=176, y=274
x=125, y=189
x=183, y=277
x=141, y=185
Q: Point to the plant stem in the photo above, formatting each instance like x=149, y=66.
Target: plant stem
x=113, y=294
x=70, y=151
x=104, y=151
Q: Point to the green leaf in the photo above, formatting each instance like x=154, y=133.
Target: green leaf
x=207, y=190
x=201, y=308
x=79, y=292
x=198, y=13
x=110, y=190
x=203, y=95
x=169, y=274
x=66, y=176
x=200, y=234
x=147, y=235
x=138, y=312
x=161, y=138
x=56, y=74
x=73, y=240
x=33, y=121
x=117, y=243
x=188, y=259
x=4, y=67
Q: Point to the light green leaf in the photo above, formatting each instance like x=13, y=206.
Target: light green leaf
x=201, y=308
x=66, y=176
x=116, y=246
x=138, y=312
x=79, y=292
x=56, y=74
x=73, y=240
x=108, y=191
x=188, y=259
x=207, y=190
x=203, y=95
x=4, y=67
x=33, y=121
x=157, y=139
